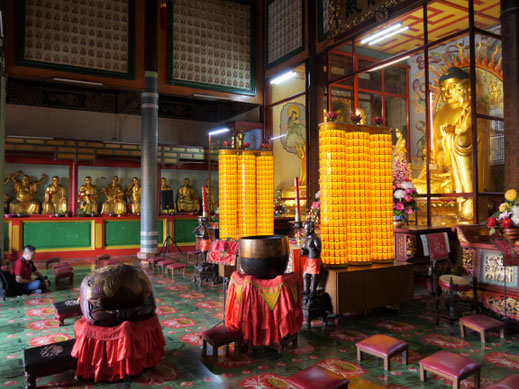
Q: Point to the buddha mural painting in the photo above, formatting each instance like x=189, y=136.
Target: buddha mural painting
x=294, y=129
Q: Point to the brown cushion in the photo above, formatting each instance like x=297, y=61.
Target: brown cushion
x=59, y=264
x=382, y=344
x=64, y=270
x=510, y=382
x=219, y=336
x=482, y=322
x=449, y=363
x=111, y=262
x=166, y=262
x=175, y=265
x=156, y=259
x=316, y=377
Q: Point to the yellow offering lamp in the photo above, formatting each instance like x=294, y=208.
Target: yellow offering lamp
x=228, y=193
x=265, y=193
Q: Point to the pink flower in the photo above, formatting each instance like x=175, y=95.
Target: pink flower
x=332, y=115
x=409, y=191
x=408, y=198
x=409, y=210
x=399, y=206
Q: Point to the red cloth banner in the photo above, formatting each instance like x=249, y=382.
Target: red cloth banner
x=223, y=252
x=510, y=253
x=437, y=246
x=265, y=311
x=111, y=353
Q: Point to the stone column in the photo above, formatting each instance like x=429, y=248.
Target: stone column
x=510, y=35
x=149, y=135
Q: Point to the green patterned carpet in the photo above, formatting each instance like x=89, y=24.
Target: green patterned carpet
x=186, y=310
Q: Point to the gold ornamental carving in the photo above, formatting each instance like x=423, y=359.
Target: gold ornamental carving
x=497, y=304
x=346, y=14
x=410, y=246
x=468, y=259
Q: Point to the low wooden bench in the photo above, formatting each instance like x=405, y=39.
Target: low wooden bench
x=383, y=346
x=50, y=261
x=176, y=266
x=46, y=360
x=165, y=262
x=102, y=257
x=64, y=276
x=482, y=324
x=510, y=382
x=314, y=377
x=219, y=336
x=66, y=310
x=452, y=366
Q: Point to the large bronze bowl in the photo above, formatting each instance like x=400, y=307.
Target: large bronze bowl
x=264, y=256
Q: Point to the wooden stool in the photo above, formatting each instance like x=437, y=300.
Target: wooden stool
x=50, y=261
x=55, y=266
x=314, y=377
x=451, y=366
x=481, y=323
x=194, y=254
x=64, y=273
x=162, y=264
x=102, y=257
x=66, y=309
x=382, y=346
x=510, y=382
x=220, y=336
x=152, y=262
x=176, y=266
x=47, y=360
x=110, y=262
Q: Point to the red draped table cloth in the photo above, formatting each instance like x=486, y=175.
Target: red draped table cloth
x=265, y=311
x=111, y=353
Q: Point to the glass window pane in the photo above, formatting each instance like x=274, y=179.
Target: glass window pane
x=491, y=155
x=489, y=76
x=445, y=17
x=290, y=87
x=395, y=79
x=370, y=106
x=342, y=103
x=395, y=109
x=445, y=211
x=341, y=62
x=370, y=80
x=486, y=15
x=488, y=205
x=402, y=34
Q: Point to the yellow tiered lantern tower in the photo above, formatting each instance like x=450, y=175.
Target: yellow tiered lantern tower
x=246, y=193
x=228, y=193
x=265, y=193
x=356, y=216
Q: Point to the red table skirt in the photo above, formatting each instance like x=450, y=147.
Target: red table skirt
x=111, y=353
x=265, y=311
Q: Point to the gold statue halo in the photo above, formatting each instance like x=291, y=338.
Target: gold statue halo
x=292, y=108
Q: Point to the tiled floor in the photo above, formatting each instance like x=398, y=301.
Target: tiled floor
x=185, y=310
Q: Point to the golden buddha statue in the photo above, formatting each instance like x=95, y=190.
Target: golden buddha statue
x=186, y=201
x=24, y=191
x=134, y=193
x=399, y=148
x=87, y=197
x=451, y=153
x=209, y=197
x=55, y=198
x=114, y=198
x=301, y=154
x=6, y=196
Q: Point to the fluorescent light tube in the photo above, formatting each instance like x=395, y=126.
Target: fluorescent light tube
x=380, y=33
x=209, y=97
x=81, y=82
x=383, y=38
x=279, y=136
x=283, y=77
x=216, y=132
x=389, y=63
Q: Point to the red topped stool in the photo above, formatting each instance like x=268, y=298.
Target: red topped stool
x=176, y=266
x=481, y=323
x=314, y=377
x=510, y=382
x=162, y=264
x=152, y=262
x=102, y=257
x=384, y=347
x=57, y=265
x=50, y=261
x=451, y=366
x=64, y=276
x=110, y=262
x=220, y=336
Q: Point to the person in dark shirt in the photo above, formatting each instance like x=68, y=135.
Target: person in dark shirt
x=24, y=268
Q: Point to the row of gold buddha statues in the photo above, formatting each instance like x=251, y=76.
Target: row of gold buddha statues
x=55, y=201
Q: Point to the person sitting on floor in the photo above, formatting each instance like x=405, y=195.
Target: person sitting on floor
x=24, y=268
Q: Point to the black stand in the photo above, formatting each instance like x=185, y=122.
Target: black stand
x=166, y=247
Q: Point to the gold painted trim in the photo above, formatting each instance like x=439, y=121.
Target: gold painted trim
x=65, y=249
x=10, y=235
x=16, y=240
x=122, y=247
x=348, y=127
x=98, y=235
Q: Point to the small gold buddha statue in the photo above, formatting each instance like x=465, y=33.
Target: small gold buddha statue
x=87, y=197
x=301, y=154
x=55, y=198
x=114, y=198
x=399, y=148
x=24, y=191
x=6, y=196
x=134, y=194
x=186, y=201
x=209, y=197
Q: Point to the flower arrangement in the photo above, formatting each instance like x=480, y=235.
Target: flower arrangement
x=508, y=214
x=404, y=192
x=314, y=213
x=355, y=119
x=331, y=116
x=227, y=143
x=245, y=145
x=378, y=120
x=279, y=207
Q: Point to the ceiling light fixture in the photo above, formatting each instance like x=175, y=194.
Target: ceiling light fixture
x=277, y=137
x=219, y=131
x=209, y=97
x=81, y=82
x=369, y=38
x=389, y=63
x=283, y=77
x=383, y=38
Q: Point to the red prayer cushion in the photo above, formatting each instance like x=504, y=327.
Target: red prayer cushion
x=510, y=382
x=59, y=264
x=63, y=270
x=175, y=265
x=482, y=322
x=449, y=363
x=220, y=335
x=156, y=259
x=316, y=377
x=166, y=262
x=382, y=344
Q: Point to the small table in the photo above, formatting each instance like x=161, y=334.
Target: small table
x=112, y=353
x=66, y=309
x=265, y=311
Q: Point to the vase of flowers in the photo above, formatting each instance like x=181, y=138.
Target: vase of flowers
x=378, y=121
x=404, y=193
x=506, y=219
x=356, y=119
x=331, y=116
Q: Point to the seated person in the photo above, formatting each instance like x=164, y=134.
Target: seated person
x=23, y=268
